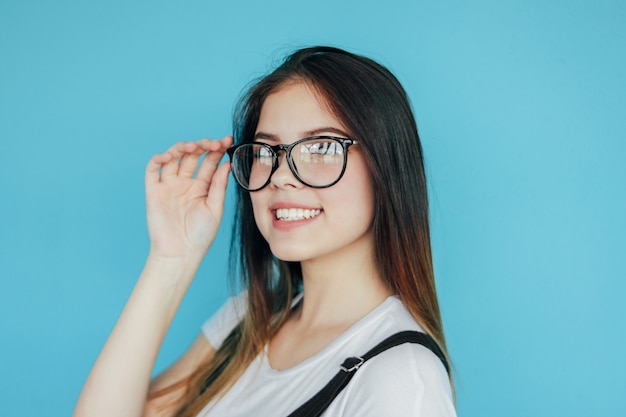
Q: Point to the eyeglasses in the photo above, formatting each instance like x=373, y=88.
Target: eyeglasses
x=318, y=161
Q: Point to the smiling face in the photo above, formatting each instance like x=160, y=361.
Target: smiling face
x=301, y=223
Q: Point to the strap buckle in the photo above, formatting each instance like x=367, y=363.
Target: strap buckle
x=352, y=364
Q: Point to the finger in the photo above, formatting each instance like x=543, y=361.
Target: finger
x=208, y=166
x=216, y=150
x=154, y=165
x=170, y=168
x=225, y=142
x=189, y=162
x=217, y=191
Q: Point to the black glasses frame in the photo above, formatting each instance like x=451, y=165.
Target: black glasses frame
x=273, y=150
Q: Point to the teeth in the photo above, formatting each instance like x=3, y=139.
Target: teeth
x=290, y=214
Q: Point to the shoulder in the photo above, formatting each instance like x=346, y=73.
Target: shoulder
x=406, y=380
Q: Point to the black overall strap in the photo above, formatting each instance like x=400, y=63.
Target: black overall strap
x=319, y=402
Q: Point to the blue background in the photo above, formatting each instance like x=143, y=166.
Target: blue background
x=521, y=109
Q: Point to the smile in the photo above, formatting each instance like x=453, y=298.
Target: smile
x=291, y=214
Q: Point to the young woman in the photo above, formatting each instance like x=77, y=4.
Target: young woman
x=332, y=241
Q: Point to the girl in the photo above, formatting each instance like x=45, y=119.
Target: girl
x=332, y=241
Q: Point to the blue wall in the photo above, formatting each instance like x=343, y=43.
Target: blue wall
x=521, y=110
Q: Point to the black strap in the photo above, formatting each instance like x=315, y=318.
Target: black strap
x=315, y=406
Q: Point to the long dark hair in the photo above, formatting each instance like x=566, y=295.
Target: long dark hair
x=370, y=102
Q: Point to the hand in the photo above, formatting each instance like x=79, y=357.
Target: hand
x=184, y=212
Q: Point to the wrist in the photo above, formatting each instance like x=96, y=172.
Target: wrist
x=173, y=269
x=166, y=258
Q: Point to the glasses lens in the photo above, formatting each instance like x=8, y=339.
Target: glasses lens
x=319, y=161
x=252, y=165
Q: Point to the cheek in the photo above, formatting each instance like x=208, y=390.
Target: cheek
x=259, y=211
x=356, y=194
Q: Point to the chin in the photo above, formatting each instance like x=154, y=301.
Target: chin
x=288, y=254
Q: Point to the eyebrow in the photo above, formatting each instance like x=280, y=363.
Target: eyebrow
x=314, y=132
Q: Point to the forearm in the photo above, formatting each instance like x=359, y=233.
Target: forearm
x=118, y=383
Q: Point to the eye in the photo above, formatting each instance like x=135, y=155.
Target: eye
x=263, y=155
x=323, y=147
x=263, y=152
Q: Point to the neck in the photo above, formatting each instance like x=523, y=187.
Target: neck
x=341, y=288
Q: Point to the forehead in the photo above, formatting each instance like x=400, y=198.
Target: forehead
x=294, y=109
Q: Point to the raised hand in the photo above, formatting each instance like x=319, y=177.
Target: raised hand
x=184, y=211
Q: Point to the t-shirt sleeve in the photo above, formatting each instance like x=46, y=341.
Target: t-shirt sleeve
x=406, y=381
x=219, y=326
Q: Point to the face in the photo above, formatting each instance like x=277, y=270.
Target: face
x=301, y=223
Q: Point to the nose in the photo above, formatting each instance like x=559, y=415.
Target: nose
x=283, y=178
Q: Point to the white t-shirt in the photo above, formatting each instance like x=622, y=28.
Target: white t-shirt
x=406, y=380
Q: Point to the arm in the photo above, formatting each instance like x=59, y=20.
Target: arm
x=199, y=352
x=183, y=217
